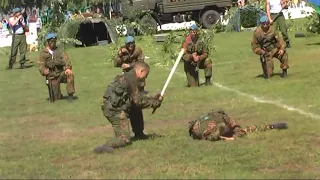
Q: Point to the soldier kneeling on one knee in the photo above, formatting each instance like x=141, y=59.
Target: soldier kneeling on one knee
x=55, y=64
x=267, y=43
x=195, y=58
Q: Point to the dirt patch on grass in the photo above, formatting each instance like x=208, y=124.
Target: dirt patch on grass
x=64, y=134
x=292, y=167
x=40, y=119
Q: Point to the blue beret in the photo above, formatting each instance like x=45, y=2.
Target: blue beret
x=129, y=39
x=50, y=36
x=263, y=19
x=194, y=27
x=15, y=10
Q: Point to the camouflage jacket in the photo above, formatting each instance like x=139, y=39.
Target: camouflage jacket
x=213, y=125
x=269, y=41
x=56, y=62
x=194, y=46
x=125, y=57
x=122, y=92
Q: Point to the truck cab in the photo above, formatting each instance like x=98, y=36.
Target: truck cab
x=205, y=12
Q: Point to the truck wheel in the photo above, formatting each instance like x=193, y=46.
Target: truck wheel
x=149, y=24
x=209, y=18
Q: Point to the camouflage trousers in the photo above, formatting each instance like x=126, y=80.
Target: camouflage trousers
x=282, y=58
x=192, y=72
x=63, y=78
x=121, y=127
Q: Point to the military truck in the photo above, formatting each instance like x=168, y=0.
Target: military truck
x=205, y=12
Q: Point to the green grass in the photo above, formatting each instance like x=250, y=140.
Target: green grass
x=43, y=140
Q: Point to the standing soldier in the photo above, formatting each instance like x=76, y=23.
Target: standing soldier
x=267, y=42
x=276, y=17
x=195, y=58
x=127, y=56
x=19, y=41
x=117, y=102
x=217, y=125
x=55, y=64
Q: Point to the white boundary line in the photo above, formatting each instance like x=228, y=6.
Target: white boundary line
x=262, y=100
x=256, y=98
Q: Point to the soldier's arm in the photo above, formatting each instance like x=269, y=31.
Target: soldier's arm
x=239, y=132
x=185, y=44
x=255, y=46
x=41, y=64
x=140, y=55
x=117, y=61
x=67, y=60
x=280, y=42
x=145, y=101
x=204, y=54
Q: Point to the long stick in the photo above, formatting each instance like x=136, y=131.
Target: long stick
x=171, y=74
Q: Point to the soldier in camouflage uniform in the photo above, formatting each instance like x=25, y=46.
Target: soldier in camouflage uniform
x=266, y=41
x=55, y=64
x=127, y=56
x=117, y=101
x=195, y=58
x=217, y=125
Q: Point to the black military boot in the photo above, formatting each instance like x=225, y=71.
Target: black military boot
x=284, y=73
x=208, y=81
x=104, y=149
x=288, y=44
x=140, y=136
x=22, y=66
x=70, y=97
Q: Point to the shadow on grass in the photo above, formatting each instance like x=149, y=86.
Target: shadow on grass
x=148, y=137
x=262, y=76
x=314, y=44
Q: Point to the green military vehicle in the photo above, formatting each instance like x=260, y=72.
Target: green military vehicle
x=205, y=12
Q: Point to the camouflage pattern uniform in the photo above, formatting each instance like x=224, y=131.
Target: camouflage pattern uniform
x=136, y=116
x=117, y=101
x=191, y=68
x=125, y=57
x=57, y=63
x=217, y=124
x=270, y=42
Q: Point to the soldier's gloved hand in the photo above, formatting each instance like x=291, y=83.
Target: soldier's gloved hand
x=156, y=103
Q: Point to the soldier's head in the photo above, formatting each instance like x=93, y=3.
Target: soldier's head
x=130, y=43
x=16, y=12
x=51, y=39
x=264, y=22
x=194, y=31
x=142, y=70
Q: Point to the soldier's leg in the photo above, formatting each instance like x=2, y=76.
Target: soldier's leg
x=284, y=64
x=56, y=88
x=69, y=80
x=137, y=122
x=191, y=74
x=207, y=66
x=121, y=127
x=283, y=29
x=275, y=24
x=22, y=50
x=15, y=46
x=270, y=66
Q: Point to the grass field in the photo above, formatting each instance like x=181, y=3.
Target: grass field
x=43, y=140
